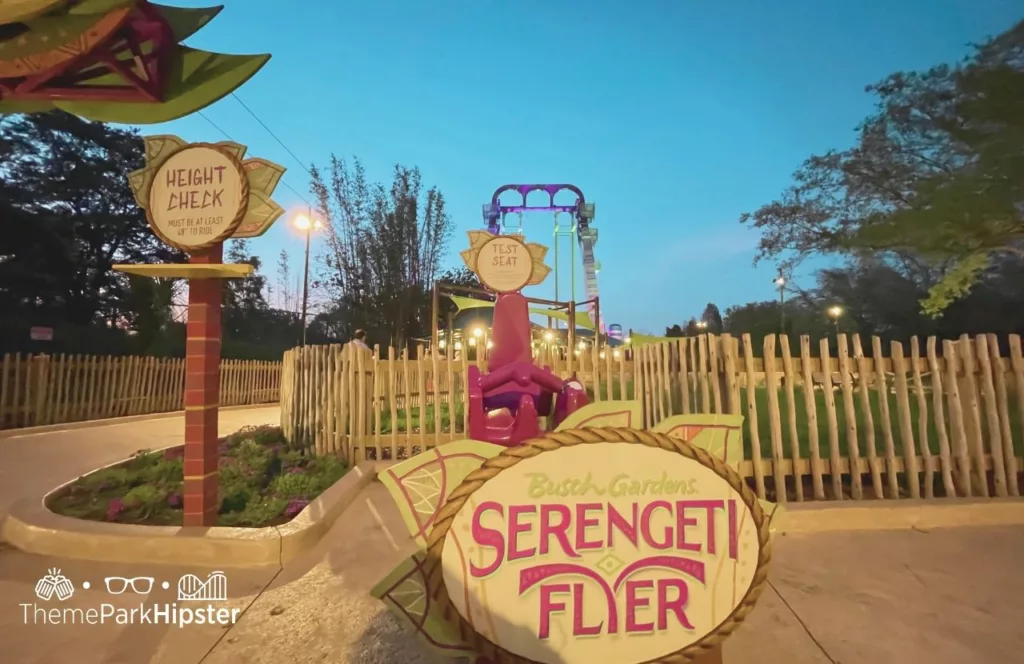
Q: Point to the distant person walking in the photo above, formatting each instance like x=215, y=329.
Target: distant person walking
x=359, y=340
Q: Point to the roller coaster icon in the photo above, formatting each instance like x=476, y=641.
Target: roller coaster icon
x=193, y=589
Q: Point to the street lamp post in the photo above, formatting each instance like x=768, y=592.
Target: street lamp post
x=780, y=283
x=835, y=313
x=306, y=223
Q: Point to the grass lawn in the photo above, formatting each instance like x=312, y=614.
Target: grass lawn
x=875, y=399
x=261, y=484
x=410, y=422
x=803, y=427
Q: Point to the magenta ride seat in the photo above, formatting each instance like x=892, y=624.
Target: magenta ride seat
x=505, y=404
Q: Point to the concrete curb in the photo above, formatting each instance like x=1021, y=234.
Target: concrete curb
x=128, y=419
x=32, y=528
x=849, y=516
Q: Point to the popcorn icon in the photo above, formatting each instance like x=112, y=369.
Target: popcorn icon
x=54, y=583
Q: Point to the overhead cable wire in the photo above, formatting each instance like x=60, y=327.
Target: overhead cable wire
x=271, y=132
x=228, y=136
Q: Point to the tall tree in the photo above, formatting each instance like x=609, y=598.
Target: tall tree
x=460, y=276
x=937, y=174
x=713, y=317
x=284, y=288
x=675, y=330
x=65, y=189
x=384, y=246
x=149, y=312
x=245, y=304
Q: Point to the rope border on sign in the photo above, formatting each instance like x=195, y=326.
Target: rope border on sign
x=228, y=230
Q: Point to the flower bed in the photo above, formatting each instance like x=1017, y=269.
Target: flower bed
x=262, y=483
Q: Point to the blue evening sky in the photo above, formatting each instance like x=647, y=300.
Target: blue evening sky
x=673, y=116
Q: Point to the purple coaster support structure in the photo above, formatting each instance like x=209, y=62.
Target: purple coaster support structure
x=496, y=211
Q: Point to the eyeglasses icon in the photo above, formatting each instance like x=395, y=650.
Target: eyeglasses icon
x=140, y=585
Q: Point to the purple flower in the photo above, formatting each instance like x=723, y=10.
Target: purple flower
x=114, y=509
x=294, y=507
x=174, y=500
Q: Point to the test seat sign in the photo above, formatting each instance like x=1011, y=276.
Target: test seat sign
x=619, y=552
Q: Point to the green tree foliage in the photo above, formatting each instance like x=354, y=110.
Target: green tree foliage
x=880, y=297
x=245, y=302
x=150, y=307
x=713, y=317
x=69, y=216
x=384, y=248
x=460, y=276
x=936, y=174
x=251, y=327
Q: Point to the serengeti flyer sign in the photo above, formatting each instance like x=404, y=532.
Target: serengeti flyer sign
x=600, y=545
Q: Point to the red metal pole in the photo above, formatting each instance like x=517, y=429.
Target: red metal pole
x=202, y=394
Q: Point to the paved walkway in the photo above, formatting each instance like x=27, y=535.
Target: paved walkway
x=951, y=596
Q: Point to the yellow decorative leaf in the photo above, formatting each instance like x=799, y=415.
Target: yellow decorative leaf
x=469, y=256
x=263, y=175
x=259, y=217
x=538, y=251
x=237, y=150
x=139, y=181
x=159, y=148
x=478, y=239
x=540, y=273
x=605, y=414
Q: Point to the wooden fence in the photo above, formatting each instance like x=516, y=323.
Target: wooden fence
x=943, y=418
x=52, y=389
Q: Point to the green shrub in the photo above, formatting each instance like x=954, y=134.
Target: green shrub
x=163, y=472
x=104, y=480
x=295, y=485
x=146, y=500
x=259, y=479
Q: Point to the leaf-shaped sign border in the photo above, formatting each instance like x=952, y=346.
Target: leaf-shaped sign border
x=237, y=150
x=158, y=149
x=540, y=273
x=719, y=434
x=624, y=414
x=538, y=251
x=477, y=239
x=263, y=175
x=258, y=202
x=431, y=627
x=396, y=479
